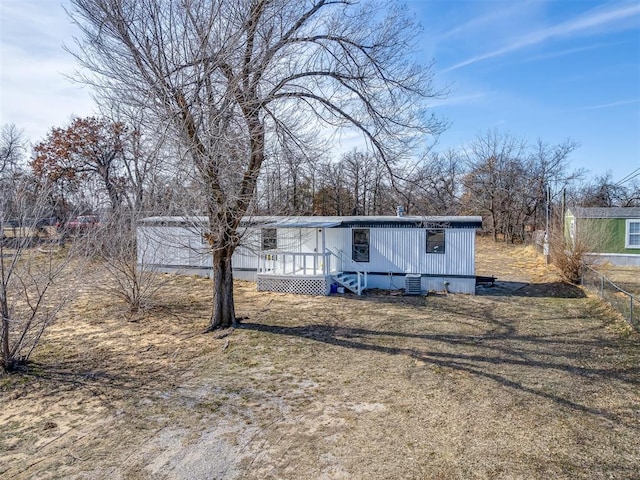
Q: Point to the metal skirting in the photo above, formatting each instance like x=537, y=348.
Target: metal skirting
x=295, y=284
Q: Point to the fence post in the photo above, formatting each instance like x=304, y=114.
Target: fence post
x=619, y=306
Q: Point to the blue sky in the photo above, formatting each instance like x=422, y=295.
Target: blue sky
x=538, y=69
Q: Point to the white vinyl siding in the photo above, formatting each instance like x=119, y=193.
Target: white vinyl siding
x=391, y=250
x=172, y=246
x=402, y=250
x=246, y=254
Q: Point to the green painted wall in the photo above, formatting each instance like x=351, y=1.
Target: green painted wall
x=604, y=235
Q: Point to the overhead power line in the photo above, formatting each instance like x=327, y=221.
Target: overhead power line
x=631, y=176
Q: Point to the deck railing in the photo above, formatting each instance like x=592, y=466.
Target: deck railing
x=294, y=263
x=311, y=263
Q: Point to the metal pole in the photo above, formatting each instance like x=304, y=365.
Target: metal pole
x=545, y=247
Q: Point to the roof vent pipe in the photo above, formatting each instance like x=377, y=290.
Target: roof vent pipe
x=399, y=211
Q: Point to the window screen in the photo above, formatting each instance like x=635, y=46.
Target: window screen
x=360, y=252
x=269, y=239
x=435, y=241
x=633, y=234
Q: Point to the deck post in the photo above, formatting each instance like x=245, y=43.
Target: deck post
x=325, y=267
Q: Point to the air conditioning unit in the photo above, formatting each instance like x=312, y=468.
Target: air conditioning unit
x=412, y=284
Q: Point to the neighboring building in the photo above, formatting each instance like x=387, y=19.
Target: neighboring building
x=310, y=254
x=610, y=234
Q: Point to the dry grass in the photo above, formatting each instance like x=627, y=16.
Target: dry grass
x=540, y=383
x=513, y=263
x=627, y=278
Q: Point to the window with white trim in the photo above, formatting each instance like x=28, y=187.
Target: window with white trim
x=632, y=238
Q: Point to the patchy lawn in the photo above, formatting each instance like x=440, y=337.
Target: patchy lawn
x=535, y=381
x=627, y=278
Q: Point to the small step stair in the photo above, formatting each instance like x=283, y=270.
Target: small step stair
x=348, y=281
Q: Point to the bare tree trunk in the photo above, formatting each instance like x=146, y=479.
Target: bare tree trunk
x=494, y=227
x=112, y=190
x=6, y=357
x=223, y=314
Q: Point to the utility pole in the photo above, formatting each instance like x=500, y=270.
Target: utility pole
x=545, y=247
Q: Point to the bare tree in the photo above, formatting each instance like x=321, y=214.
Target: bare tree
x=547, y=167
x=493, y=162
x=286, y=183
x=507, y=181
x=432, y=185
x=146, y=154
x=227, y=72
x=11, y=149
x=11, y=156
x=603, y=191
x=27, y=271
x=114, y=245
x=332, y=198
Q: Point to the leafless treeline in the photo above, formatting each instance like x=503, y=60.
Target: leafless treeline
x=497, y=176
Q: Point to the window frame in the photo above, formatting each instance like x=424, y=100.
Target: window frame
x=430, y=232
x=628, y=233
x=354, y=254
x=268, y=235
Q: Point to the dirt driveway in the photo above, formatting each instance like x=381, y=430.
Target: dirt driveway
x=538, y=381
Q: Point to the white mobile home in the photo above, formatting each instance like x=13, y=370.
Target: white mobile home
x=310, y=255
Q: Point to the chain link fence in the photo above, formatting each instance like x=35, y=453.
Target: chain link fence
x=624, y=302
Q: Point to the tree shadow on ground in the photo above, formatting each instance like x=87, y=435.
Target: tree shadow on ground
x=487, y=357
x=72, y=376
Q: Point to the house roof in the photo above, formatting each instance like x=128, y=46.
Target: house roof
x=605, y=212
x=409, y=221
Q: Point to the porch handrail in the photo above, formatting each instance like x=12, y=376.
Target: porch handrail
x=361, y=273
x=319, y=263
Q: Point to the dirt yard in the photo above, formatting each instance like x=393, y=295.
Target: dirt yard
x=529, y=379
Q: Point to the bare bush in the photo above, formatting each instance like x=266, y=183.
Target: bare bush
x=568, y=257
x=115, y=246
x=31, y=263
x=571, y=247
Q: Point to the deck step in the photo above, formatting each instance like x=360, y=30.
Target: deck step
x=347, y=281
